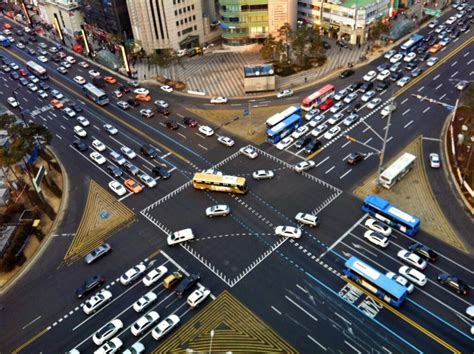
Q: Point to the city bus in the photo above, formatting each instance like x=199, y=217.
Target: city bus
x=280, y=116
x=95, y=94
x=397, y=170
x=382, y=210
x=374, y=281
x=4, y=41
x=409, y=45
x=37, y=69
x=219, y=183
x=284, y=128
x=318, y=97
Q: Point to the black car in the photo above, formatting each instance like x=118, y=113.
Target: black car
x=353, y=108
x=421, y=49
x=80, y=145
x=433, y=41
x=341, y=43
x=455, y=34
x=31, y=51
x=464, y=28
x=171, y=124
x=131, y=168
x=98, y=81
x=416, y=72
x=76, y=107
x=411, y=65
x=302, y=142
x=346, y=73
x=312, y=146
x=149, y=151
x=382, y=85
x=423, y=251
x=14, y=75
x=114, y=171
x=90, y=285
x=124, y=89
x=424, y=56
x=56, y=59
x=454, y=283
x=428, y=37
x=43, y=85
x=163, y=110
x=160, y=171
x=355, y=158
x=190, y=122
x=23, y=81
x=326, y=45
x=383, y=66
x=186, y=284
x=133, y=102
x=395, y=76
x=20, y=33
x=355, y=86
x=366, y=86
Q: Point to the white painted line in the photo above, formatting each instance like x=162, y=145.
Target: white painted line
x=349, y=344
x=180, y=115
x=368, y=141
x=182, y=135
x=301, y=288
x=59, y=137
x=363, y=131
x=301, y=308
x=317, y=165
x=437, y=87
x=317, y=343
x=454, y=74
x=203, y=147
x=404, y=101
x=388, y=140
x=166, y=155
x=345, y=174
x=31, y=322
x=345, y=157
x=125, y=196
x=420, y=89
x=466, y=54
x=436, y=77
x=62, y=126
x=426, y=109
x=408, y=124
x=332, y=168
x=442, y=96
x=408, y=110
x=454, y=63
x=275, y=309
x=343, y=146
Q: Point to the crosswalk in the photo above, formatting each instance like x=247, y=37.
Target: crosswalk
x=221, y=73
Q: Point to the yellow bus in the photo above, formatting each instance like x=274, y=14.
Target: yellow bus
x=219, y=183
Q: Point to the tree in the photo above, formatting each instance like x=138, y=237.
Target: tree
x=163, y=58
x=377, y=29
x=285, y=33
x=268, y=49
x=299, y=42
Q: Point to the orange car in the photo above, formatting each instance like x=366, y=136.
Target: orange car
x=57, y=104
x=133, y=185
x=435, y=49
x=110, y=80
x=143, y=98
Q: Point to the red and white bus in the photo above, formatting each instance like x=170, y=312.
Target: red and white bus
x=318, y=97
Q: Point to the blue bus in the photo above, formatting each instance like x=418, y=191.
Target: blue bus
x=381, y=209
x=4, y=41
x=284, y=128
x=377, y=283
x=409, y=45
x=280, y=116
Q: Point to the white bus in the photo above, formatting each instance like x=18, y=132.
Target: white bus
x=281, y=116
x=397, y=170
x=37, y=69
x=95, y=94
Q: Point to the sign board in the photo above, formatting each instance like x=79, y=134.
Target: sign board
x=39, y=177
x=246, y=112
x=433, y=12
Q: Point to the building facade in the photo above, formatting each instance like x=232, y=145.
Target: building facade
x=110, y=16
x=171, y=24
x=248, y=22
x=65, y=12
x=343, y=19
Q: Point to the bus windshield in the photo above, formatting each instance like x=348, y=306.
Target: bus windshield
x=95, y=94
x=381, y=209
x=219, y=183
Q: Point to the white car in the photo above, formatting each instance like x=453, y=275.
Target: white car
x=111, y=347
x=57, y=95
x=12, y=102
x=336, y=118
x=433, y=24
x=304, y=165
x=79, y=131
x=409, y=57
x=124, y=105
x=376, y=238
x=412, y=259
x=147, y=180
x=226, y=141
x=219, y=100
x=317, y=120
x=83, y=121
x=319, y=130
x=288, y=231
x=70, y=59
x=434, y=160
x=403, y=81
x=341, y=94
x=98, y=145
x=166, y=88
x=370, y=75
x=129, y=153
x=367, y=96
x=79, y=80
x=107, y=331
x=396, y=58
x=337, y=107
x=390, y=54
x=109, y=128
x=96, y=302
x=198, y=296
x=117, y=188
x=43, y=94
x=147, y=113
x=117, y=93
x=413, y=275
x=300, y=132
x=331, y=133
x=431, y=61
x=374, y=102
x=42, y=59
x=284, y=143
x=98, y=158
x=165, y=326
x=141, y=91
x=144, y=323
x=263, y=174
x=383, y=75
x=285, y=93
x=32, y=87
x=69, y=112
x=350, y=97
x=378, y=227
x=401, y=280
x=351, y=119
x=84, y=64
x=206, y=130
x=249, y=152
x=307, y=219
x=132, y=274
x=94, y=73
x=451, y=20
x=145, y=301
x=161, y=103
x=217, y=210
x=445, y=41
x=388, y=109
x=180, y=236
x=461, y=85
x=133, y=83
x=154, y=275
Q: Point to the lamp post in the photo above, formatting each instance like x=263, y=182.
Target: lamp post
x=249, y=108
x=210, y=344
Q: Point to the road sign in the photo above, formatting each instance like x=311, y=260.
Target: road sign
x=246, y=112
x=433, y=12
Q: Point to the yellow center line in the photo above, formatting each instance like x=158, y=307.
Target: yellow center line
x=114, y=117
x=405, y=318
x=29, y=341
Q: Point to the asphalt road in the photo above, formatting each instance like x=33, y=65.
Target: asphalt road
x=294, y=286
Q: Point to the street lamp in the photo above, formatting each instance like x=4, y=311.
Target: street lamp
x=210, y=344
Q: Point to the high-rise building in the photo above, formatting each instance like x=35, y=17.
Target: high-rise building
x=109, y=16
x=247, y=22
x=171, y=24
x=63, y=12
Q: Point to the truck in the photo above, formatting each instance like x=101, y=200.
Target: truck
x=411, y=43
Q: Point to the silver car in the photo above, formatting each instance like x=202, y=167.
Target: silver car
x=218, y=210
x=97, y=253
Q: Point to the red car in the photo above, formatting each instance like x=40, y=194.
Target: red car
x=22, y=72
x=326, y=105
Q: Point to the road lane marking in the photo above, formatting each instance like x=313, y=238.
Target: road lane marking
x=426, y=109
x=320, y=163
x=368, y=141
x=203, y=147
x=317, y=343
x=454, y=63
x=470, y=61
x=408, y=124
x=437, y=87
x=420, y=89
x=332, y=168
x=301, y=288
x=345, y=174
x=389, y=139
x=408, y=110
x=436, y=77
x=275, y=309
x=404, y=101
x=442, y=96
x=345, y=157
x=182, y=135
x=301, y=308
x=354, y=348
x=343, y=146
x=453, y=75
x=59, y=137
x=31, y=340
x=62, y=126
x=31, y=322
x=466, y=54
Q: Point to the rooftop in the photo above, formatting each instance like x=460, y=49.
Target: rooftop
x=357, y=3
x=259, y=70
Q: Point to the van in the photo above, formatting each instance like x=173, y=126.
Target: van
x=180, y=236
x=163, y=110
x=117, y=158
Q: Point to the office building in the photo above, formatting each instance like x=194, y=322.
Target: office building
x=65, y=12
x=108, y=16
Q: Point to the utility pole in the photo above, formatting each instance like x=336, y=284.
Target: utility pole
x=382, y=153
x=249, y=109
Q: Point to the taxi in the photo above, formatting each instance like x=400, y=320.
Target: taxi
x=143, y=98
x=133, y=186
x=57, y=104
x=110, y=80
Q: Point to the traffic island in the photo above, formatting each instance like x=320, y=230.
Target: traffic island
x=414, y=195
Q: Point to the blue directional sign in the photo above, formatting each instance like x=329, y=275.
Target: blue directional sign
x=246, y=112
